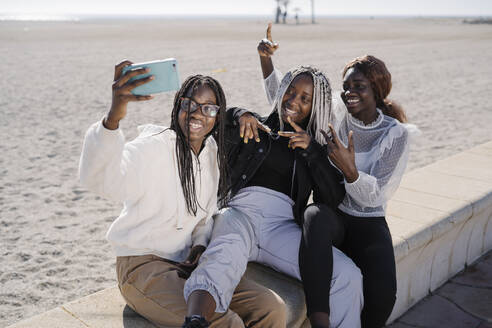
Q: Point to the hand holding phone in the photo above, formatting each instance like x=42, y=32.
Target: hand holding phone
x=135, y=82
x=165, y=73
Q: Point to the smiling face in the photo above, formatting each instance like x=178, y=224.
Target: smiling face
x=358, y=95
x=298, y=99
x=199, y=125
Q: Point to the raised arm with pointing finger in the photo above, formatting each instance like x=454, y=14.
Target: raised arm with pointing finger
x=266, y=49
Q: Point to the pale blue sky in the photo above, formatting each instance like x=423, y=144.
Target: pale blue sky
x=250, y=7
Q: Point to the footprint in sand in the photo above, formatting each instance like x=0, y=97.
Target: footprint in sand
x=24, y=256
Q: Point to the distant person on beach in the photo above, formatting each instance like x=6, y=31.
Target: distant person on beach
x=278, y=13
x=369, y=144
x=276, y=162
x=168, y=181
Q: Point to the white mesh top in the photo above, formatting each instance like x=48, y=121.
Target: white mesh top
x=381, y=154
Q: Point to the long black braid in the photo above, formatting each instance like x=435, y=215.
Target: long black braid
x=183, y=146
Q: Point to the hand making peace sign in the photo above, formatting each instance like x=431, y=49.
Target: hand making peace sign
x=299, y=138
x=343, y=158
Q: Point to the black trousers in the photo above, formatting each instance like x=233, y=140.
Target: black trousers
x=367, y=241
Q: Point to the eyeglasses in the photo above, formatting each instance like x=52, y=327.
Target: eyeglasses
x=189, y=105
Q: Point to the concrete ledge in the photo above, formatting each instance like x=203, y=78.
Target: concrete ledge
x=443, y=213
x=56, y=318
x=102, y=309
x=440, y=220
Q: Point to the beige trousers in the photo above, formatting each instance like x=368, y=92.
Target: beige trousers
x=152, y=287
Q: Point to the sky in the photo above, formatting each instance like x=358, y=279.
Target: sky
x=249, y=7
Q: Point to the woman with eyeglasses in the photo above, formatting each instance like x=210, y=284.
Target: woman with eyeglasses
x=169, y=180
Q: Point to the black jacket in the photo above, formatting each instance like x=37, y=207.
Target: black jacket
x=313, y=172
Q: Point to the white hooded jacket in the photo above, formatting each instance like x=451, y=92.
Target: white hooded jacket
x=143, y=174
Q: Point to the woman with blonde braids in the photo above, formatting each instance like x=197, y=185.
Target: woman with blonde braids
x=272, y=178
x=370, y=146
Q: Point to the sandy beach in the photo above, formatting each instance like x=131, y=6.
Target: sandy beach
x=56, y=81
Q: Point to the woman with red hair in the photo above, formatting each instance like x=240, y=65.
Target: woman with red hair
x=368, y=141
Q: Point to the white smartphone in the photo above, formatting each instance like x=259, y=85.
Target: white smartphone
x=166, y=77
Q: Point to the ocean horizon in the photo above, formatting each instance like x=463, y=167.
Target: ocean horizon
x=33, y=17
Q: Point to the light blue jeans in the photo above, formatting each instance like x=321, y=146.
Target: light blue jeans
x=259, y=226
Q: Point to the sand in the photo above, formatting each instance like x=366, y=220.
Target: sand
x=56, y=81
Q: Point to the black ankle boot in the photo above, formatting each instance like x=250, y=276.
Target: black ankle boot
x=195, y=321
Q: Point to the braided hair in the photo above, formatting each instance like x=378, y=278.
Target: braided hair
x=376, y=72
x=321, y=113
x=183, y=146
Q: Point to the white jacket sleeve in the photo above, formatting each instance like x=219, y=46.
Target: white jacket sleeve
x=272, y=84
x=376, y=187
x=109, y=167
